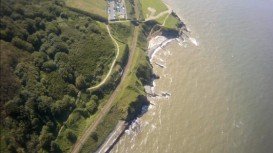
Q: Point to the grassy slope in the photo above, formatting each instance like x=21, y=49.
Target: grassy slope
x=171, y=22
x=158, y=5
x=82, y=123
x=132, y=86
x=161, y=19
x=131, y=89
x=91, y=6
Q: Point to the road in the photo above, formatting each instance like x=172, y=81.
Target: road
x=112, y=65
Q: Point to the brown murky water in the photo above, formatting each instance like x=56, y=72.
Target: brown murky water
x=221, y=86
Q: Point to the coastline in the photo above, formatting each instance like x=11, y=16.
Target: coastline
x=155, y=43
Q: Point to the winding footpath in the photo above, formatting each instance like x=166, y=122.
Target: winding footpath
x=112, y=65
x=106, y=108
x=106, y=77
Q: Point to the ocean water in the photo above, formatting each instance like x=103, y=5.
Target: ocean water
x=220, y=83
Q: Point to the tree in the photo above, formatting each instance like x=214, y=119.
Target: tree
x=61, y=47
x=22, y=44
x=34, y=40
x=12, y=108
x=71, y=136
x=91, y=106
x=45, y=138
x=44, y=104
x=80, y=82
x=49, y=66
x=39, y=58
x=61, y=108
x=6, y=35
x=51, y=51
x=72, y=90
x=55, y=147
x=64, y=15
x=29, y=25
x=94, y=136
x=52, y=28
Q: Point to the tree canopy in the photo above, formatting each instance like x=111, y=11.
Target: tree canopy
x=48, y=54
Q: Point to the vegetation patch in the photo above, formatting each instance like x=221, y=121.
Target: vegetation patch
x=91, y=6
x=172, y=22
x=121, y=31
x=129, y=102
x=48, y=54
x=152, y=7
x=130, y=9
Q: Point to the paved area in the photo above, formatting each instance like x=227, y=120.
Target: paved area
x=116, y=10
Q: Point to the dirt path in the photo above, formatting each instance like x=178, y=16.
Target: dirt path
x=158, y=16
x=163, y=24
x=106, y=108
x=169, y=11
x=112, y=65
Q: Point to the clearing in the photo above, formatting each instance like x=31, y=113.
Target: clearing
x=152, y=8
x=92, y=6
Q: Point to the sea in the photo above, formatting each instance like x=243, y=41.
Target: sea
x=215, y=92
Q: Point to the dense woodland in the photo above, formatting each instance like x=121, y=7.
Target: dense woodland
x=48, y=54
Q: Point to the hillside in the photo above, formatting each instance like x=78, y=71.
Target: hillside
x=48, y=54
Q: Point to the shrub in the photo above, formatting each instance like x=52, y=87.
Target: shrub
x=39, y=58
x=71, y=136
x=91, y=106
x=22, y=44
x=49, y=66
x=94, y=136
x=80, y=82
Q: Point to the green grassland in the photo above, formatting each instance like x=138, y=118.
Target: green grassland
x=158, y=5
x=162, y=19
x=91, y=6
x=171, y=22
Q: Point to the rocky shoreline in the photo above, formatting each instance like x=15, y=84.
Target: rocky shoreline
x=156, y=41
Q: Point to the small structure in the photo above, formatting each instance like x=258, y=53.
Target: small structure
x=116, y=10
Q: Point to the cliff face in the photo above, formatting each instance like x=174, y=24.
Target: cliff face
x=136, y=108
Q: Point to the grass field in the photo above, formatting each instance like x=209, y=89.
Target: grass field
x=92, y=6
x=161, y=19
x=171, y=22
x=157, y=5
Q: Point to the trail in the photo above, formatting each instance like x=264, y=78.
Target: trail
x=169, y=11
x=112, y=65
x=158, y=16
x=163, y=24
x=106, y=108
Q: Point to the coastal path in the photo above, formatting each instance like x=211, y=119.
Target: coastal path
x=106, y=108
x=112, y=65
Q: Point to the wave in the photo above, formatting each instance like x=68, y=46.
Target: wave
x=194, y=41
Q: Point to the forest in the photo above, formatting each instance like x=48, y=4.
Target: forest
x=48, y=54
